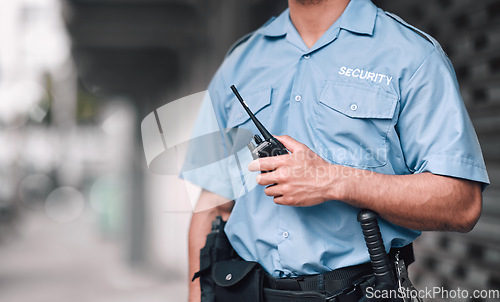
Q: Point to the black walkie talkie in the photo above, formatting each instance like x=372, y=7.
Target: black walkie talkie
x=383, y=272
x=269, y=146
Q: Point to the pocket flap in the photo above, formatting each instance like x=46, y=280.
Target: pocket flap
x=255, y=100
x=228, y=273
x=359, y=101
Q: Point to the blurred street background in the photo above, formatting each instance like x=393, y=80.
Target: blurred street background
x=81, y=217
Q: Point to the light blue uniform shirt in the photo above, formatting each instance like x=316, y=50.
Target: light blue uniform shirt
x=372, y=93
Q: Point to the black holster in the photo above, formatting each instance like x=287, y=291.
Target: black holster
x=224, y=276
x=238, y=280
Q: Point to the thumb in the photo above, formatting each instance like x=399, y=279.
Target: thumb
x=291, y=144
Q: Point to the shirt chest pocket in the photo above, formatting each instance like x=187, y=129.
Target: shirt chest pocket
x=258, y=101
x=352, y=123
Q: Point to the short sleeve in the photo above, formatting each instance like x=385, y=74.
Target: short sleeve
x=214, y=152
x=205, y=164
x=435, y=130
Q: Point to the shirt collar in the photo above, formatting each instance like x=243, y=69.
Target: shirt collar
x=359, y=17
x=277, y=27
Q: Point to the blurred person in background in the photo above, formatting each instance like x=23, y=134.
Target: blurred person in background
x=370, y=110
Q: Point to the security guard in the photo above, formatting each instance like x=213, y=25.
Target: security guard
x=370, y=110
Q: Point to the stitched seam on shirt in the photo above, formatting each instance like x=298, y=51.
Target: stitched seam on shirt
x=374, y=89
x=417, y=70
x=461, y=159
x=469, y=162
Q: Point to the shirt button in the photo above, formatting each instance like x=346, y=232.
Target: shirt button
x=285, y=234
x=298, y=98
x=307, y=57
x=354, y=107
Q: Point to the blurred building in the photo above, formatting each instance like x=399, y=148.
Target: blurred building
x=73, y=91
x=37, y=92
x=150, y=53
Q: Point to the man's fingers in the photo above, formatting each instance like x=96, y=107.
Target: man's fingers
x=272, y=163
x=266, y=179
x=267, y=163
x=291, y=144
x=273, y=190
x=279, y=199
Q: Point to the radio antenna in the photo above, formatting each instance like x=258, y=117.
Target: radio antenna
x=265, y=133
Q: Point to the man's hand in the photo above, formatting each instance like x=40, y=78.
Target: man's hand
x=423, y=201
x=299, y=179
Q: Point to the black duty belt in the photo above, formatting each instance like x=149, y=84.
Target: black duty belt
x=344, y=284
x=331, y=281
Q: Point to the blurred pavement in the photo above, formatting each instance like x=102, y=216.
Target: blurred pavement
x=48, y=261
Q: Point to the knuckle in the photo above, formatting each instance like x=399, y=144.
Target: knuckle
x=280, y=160
x=287, y=158
x=267, y=191
x=287, y=200
x=262, y=163
x=280, y=177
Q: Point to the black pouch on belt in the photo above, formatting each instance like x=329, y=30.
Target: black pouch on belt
x=217, y=248
x=240, y=281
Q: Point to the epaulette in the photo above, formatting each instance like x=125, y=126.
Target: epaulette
x=424, y=35
x=239, y=42
x=413, y=28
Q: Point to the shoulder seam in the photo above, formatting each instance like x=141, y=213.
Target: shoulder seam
x=423, y=34
x=416, y=70
x=239, y=42
x=421, y=64
x=409, y=26
x=247, y=36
